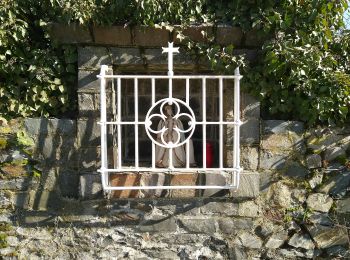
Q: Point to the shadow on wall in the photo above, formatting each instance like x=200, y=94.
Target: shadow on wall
x=55, y=157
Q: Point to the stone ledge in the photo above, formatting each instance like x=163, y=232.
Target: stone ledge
x=150, y=36
x=91, y=187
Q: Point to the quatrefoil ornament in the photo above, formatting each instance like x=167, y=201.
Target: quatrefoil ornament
x=180, y=133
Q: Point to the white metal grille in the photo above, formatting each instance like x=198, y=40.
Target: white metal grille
x=160, y=136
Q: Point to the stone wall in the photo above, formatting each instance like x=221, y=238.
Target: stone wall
x=301, y=211
x=293, y=200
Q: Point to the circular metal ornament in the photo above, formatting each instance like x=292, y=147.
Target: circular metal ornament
x=180, y=132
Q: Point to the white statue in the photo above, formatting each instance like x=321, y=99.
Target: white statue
x=170, y=135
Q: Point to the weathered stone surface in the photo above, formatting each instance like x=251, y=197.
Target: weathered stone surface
x=276, y=240
x=282, y=127
x=334, y=152
x=68, y=183
x=198, y=225
x=319, y=143
x=88, y=79
x=158, y=224
x=196, y=33
x=248, y=209
x=301, y=241
x=226, y=35
x=270, y=160
x=90, y=186
x=285, y=142
x=91, y=57
x=249, y=240
x=316, y=179
x=319, y=202
x=237, y=253
x=147, y=36
x=13, y=171
x=299, y=196
x=320, y=218
x=43, y=126
x=250, y=132
x=153, y=179
x=296, y=170
x=88, y=133
x=125, y=180
x=338, y=251
x=233, y=225
x=249, y=186
x=343, y=206
x=70, y=33
x=281, y=195
x=184, y=179
x=112, y=35
x=337, y=183
x=89, y=159
x=328, y=236
x=314, y=161
x=249, y=158
x=126, y=56
x=218, y=207
x=214, y=179
x=250, y=106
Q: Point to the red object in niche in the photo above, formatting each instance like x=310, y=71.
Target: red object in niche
x=210, y=155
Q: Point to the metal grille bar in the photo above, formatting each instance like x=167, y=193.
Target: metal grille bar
x=171, y=145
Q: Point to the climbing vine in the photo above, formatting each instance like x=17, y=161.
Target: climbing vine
x=302, y=71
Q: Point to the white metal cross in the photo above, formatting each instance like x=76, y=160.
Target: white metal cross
x=170, y=50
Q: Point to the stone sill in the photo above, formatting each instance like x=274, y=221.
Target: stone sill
x=149, y=36
x=91, y=187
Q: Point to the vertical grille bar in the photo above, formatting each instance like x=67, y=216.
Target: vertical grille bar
x=119, y=131
x=204, y=119
x=188, y=142
x=221, y=132
x=136, y=103
x=153, y=81
x=236, y=163
x=103, y=120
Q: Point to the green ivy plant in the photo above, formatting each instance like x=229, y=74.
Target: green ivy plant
x=301, y=73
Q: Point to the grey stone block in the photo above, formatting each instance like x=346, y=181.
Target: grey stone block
x=248, y=187
x=68, y=182
x=248, y=209
x=249, y=157
x=126, y=56
x=90, y=186
x=314, y=161
x=250, y=106
x=43, y=126
x=88, y=79
x=198, y=225
x=272, y=161
x=158, y=224
x=89, y=159
x=89, y=132
x=91, y=57
x=147, y=36
x=220, y=207
x=250, y=131
x=282, y=127
x=214, y=179
x=18, y=184
x=112, y=35
x=233, y=225
x=326, y=237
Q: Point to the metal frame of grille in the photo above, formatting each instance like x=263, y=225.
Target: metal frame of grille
x=192, y=123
